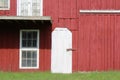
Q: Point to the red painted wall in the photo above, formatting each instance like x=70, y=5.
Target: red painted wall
x=95, y=36
x=99, y=4
x=64, y=13
x=97, y=42
x=9, y=43
x=12, y=11
x=9, y=47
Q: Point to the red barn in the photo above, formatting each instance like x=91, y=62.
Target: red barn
x=61, y=36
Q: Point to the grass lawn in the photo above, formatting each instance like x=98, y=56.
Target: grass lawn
x=112, y=75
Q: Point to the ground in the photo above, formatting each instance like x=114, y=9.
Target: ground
x=111, y=75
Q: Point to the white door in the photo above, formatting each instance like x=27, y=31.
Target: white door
x=61, y=58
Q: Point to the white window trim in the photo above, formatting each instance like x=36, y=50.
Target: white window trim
x=100, y=11
x=19, y=7
x=34, y=49
x=8, y=6
x=41, y=13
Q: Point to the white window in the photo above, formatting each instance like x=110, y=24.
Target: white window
x=4, y=4
x=29, y=7
x=29, y=49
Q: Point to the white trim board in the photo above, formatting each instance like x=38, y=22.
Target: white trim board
x=100, y=11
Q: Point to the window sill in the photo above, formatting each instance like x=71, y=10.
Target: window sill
x=4, y=8
x=29, y=68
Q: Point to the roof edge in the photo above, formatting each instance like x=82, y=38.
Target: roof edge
x=26, y=18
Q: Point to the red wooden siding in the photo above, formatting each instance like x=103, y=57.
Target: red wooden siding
x=12, y=11
x=99, y=4
x=96, y=39
x=45, y=46
x=95, y=36
x=99, y=42
x=9, y=43
x=64, y=14
x=9, y=49
x=117, y=43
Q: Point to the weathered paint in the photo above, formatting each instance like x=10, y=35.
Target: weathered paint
x=97, y=42
x=95, y=36
x=9, y=47
x=96, y=39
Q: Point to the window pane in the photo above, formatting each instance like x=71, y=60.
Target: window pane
x=35, y=35
x=29, y=54
x=29, y=58
x=29, y=63
x=24, y=63
x=24, y=54
x=6, y=3
x=24, y=35
x=29, y=39
x=24, y=43
x=34, y=55
x=29, y=35
x=3, y=3
x=34, y=63
x=36, y=8
x=29, y=43
x=34, y=43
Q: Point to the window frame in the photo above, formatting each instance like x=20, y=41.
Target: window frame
x=29, y=14
x=8, y=6
x=29, y=49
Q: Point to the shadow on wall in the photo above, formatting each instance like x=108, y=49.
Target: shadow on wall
x=10, y=34
x=10, y=42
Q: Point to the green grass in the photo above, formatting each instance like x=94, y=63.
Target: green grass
x=112, y=75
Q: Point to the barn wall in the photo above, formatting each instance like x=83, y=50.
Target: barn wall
x=9, y=43
x=12, y=11
x=45, y=48
x=9, y=47
x=64, y=16
x=95, y=36
x=95, y=43
x=99, y=42
x=99, y=4
x=98, y=36
x=117, y=43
